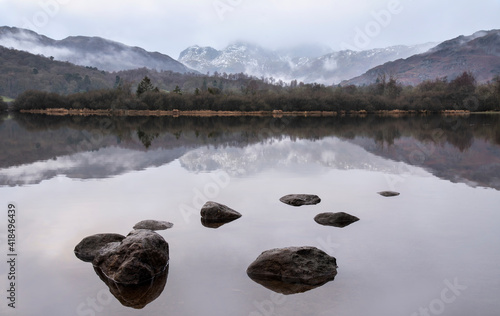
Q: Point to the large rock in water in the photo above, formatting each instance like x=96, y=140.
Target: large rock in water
x=218, y=213
x=340, y=219
x=153, y=225
x=300, y=199
x=138, y=258
x=293, y=270
x=88, y=248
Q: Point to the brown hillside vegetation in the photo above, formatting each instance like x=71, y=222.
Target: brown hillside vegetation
x=478, y=54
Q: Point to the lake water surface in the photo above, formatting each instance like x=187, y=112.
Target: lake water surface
x=433, y=250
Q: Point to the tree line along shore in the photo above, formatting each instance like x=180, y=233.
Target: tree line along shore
x=460, y=95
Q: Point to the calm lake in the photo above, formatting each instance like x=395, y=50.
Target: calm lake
x=432, y=250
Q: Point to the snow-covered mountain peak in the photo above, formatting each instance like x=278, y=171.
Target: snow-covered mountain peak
x=309, y=64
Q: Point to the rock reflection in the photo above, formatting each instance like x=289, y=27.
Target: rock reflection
x=286, y=288
x=135, y=296
x=212, y=224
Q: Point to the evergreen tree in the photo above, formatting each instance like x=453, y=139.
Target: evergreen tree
x=118, y=82
x=144, y=86
x=177, y=90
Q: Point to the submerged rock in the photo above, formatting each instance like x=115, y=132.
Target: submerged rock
x=153, y=225
x=340, y=219
x=88, y=248
x=300, y=199
x=218, y=213
x=388, y=193
x=137, y=259
x=293, y=270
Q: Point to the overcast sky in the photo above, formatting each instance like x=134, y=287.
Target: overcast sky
x=169, y=26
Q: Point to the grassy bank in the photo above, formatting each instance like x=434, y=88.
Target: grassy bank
x=7, y=99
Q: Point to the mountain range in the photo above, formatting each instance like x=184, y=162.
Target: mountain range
x=478, y=53
x=89, y=51
x=287, y=65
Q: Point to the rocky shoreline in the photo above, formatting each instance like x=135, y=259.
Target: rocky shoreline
x=210, y=113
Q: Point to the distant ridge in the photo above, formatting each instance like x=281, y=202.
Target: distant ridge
x=478, y=53
x=89, y=51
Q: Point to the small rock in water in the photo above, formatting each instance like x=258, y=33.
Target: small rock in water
x=340, y=219
x=293, y=269
x=300, y=199
x=216, y=212
x=388, y=193
x=153, y=225
x=88, y=248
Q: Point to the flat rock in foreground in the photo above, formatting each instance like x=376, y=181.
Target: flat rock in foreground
x=138, y=258
x=300, y=199
x=293, y=269
x=218, y=213
x=339, y=219
x=88, y=248
x=153, y=225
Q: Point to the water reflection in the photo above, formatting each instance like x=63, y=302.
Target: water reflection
x=215, y=225
x=458, y=149
x=286, y=288
x=136, y=296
